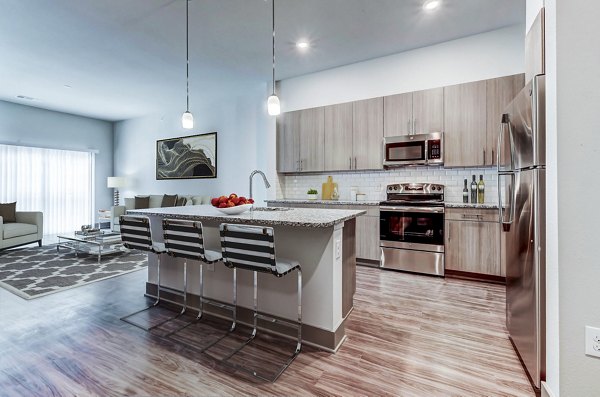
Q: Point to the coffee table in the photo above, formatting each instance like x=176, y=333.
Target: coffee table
x=95, y=244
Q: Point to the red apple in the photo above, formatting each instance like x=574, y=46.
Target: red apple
x=215, y=201
x=223, y=199
x=250, y=201
x=222, y=205
x=235, y=200
x=230, y=204
x=242, y=198
x=232, y=195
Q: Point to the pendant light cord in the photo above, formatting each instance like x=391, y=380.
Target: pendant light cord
x=273, y=15
x=187, y=55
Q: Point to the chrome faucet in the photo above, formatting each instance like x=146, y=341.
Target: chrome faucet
x=267, y=184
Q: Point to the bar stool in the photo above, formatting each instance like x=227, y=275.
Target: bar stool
x=185, y=239
x=136, y=234
x=253, y=248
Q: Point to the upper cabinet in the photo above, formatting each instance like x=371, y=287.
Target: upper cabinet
x=500, y=92
x=348, y=136
x=367, y=134
x=414, y=112
x=465, y=125
x=338, y=137
x=300, y=136
x=288, y=142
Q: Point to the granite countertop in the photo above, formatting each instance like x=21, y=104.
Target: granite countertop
x=323, y=202
x=295, y=217
x=486, y=206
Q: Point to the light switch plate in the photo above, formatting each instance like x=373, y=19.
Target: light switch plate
x=592, y=341
x=338, y=248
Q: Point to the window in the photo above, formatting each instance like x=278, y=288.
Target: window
x=57, y=182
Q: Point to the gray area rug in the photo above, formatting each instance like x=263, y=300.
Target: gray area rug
x=34, y=272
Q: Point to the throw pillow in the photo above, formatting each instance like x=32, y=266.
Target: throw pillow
x=142, y=202
x=8, y=212
x=181, y=201
x=169, y=201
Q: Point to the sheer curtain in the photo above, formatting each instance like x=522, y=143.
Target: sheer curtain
x=57, y=182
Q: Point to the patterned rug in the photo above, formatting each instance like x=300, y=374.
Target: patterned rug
x=34, y=272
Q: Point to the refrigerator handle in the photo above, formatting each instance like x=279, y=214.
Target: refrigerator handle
x=505, y=123
x=511, y=208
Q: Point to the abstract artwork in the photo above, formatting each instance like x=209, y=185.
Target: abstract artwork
x=187, y=157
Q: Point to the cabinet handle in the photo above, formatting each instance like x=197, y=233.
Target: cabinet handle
x=477, y=217
x=297, y=165
x=483, y=156
x=409, y=127
x=354, y=162
x=301, y=165
x=349, y=163
x=492, y=157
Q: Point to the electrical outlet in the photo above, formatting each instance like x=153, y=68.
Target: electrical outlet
x=210, y=267
x=592, y=341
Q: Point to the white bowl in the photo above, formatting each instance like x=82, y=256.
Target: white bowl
x=239, y=209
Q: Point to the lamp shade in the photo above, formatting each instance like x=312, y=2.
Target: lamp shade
x=273, y=106
x=116, y=181
x=187, y=120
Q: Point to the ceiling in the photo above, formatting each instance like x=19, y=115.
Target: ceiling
x=126, y=58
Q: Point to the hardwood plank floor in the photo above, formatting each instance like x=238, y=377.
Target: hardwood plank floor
x=408, y=335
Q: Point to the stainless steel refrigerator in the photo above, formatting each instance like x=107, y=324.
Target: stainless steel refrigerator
x=522, y=198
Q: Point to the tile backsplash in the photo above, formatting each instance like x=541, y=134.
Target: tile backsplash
x=373, y=183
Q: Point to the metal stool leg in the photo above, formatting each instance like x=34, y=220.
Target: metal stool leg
x=233, y=324
x=299, y=345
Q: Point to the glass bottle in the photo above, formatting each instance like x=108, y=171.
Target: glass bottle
x=473, y=191
x=465, y=192
x=480, y=190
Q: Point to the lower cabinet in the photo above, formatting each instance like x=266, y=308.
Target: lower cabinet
x=472, y=241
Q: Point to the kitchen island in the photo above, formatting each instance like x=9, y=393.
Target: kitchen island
x=322, y=240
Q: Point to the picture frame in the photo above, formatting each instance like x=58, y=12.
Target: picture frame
x=187, y=157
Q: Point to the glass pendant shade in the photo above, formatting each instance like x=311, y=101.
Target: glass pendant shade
x=187, y=120
x=273, y=105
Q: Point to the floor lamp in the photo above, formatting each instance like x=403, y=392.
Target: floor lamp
x=116, y=182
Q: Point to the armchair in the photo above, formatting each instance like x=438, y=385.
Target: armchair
x=28, y=229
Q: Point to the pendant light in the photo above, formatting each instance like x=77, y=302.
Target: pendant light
x=187, y=119
x=273, y=106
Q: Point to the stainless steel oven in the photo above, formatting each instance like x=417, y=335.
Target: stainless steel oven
x=412, y=228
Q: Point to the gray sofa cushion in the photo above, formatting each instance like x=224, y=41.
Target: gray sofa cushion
x=18, y=229
x=169, y=201
x=8, y=212
x=142, y=202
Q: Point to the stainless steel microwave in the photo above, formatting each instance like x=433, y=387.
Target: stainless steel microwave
x=416, y=149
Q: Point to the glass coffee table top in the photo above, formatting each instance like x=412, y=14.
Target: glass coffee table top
x=94, y=244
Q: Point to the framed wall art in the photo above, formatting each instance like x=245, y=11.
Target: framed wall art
x=187, y=157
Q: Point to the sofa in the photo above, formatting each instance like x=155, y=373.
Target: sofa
x=28, y=228
x=154, y=202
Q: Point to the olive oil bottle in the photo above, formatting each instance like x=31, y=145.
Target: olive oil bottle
x=480, y=190
x=473, y=191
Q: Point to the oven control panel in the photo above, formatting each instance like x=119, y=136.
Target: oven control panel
x=415, y=188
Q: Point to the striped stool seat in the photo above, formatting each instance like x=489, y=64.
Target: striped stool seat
x=136, y=234
x=253, y=248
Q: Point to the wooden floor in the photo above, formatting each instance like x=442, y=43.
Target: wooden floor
x=408, y=335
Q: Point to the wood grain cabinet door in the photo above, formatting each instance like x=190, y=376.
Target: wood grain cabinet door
x=367, y=237
x=312, y=139
x=428, y=111
x=397, y=114
x=500, y=92
x=367, y=132
x=288, y=142
x=465, y=124
x=473, y=247
x=338, y=137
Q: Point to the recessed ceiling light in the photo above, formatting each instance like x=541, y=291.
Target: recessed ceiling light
x=303, y=44
x=67, y=86
x=27, y=98
x=431, y=5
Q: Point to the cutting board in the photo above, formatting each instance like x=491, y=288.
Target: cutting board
x=327, y=189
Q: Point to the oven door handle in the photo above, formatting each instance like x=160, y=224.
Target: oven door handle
x=426, y=210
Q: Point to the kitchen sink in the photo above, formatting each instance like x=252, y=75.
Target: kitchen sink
x=271, y=209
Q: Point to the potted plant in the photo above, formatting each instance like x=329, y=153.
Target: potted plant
x=312, y=194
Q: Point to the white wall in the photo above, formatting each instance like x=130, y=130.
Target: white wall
x=243, y=141
x=29, y=126
x=492, y=54
x=578, y=81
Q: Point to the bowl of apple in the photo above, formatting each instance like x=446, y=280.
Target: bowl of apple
x=232, y=204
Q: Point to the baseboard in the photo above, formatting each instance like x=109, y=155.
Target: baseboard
x=546, y=391
x=475, y=276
